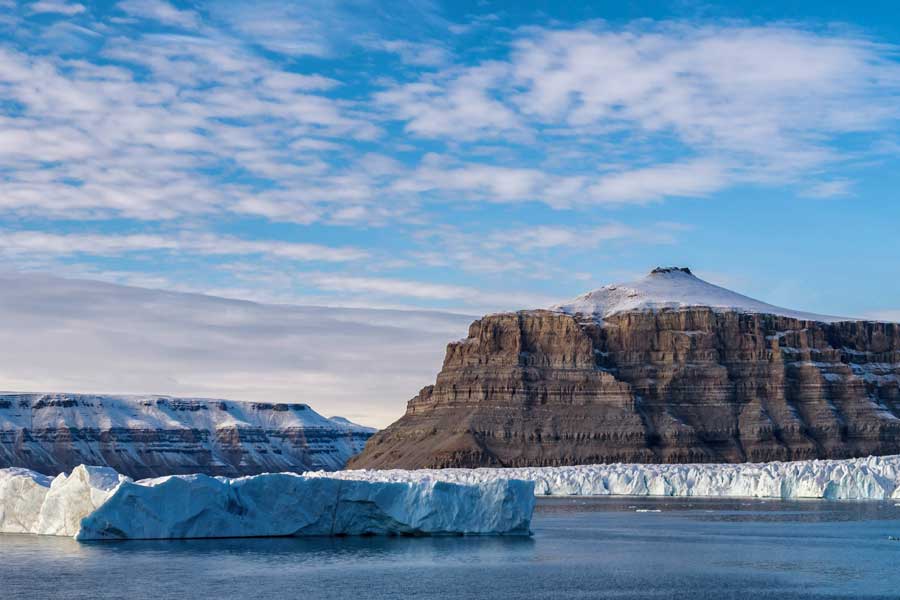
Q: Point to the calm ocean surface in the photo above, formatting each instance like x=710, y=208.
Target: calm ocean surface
x=582, y=548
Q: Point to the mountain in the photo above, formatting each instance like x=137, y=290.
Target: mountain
x=673, y=287
x=150, y=436
x=666, y=369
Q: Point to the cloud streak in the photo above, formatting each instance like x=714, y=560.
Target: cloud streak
x=338, y=152
x=189, y=118
x=39, y=243
x=114, y=339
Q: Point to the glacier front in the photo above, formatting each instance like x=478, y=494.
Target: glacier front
x=96, y=503
x=872, y=478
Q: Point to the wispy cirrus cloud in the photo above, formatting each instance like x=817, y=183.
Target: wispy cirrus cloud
x=56, y=7
x=41, y=243
x=830, y=189
x=749, y=104
x=122, y=339
x=528, y=251
x=370, y=136
x=478, y=300
x=175, y=125
x=697, y=178
x=160, y=11
x=194, y=119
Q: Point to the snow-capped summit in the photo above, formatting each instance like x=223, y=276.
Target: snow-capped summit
x=673, y=288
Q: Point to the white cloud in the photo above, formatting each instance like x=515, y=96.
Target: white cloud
x=829, y=189
x=378, y=287
x=307, y=29
x=95, y=140
x=362, y=364
x=757, y=91
x=690, y=179
x=524, y=250
x=54, y=7
x=475, y=181
x=38, y=243
x=160, y=10
x=493, y=183
x=412, y=53
x=460, y=104
x=545, y=237
x=741, y=103
x=203, y=125
x=392, y=287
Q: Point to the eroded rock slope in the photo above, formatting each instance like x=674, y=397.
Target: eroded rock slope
x=150, y=436
x=669, y=369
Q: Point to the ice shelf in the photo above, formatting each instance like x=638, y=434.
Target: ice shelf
x=96, y=503
x=872, y=478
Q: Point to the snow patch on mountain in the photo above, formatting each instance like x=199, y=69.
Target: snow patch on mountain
x=107, y=411
x=673, y=288
x=148, y=435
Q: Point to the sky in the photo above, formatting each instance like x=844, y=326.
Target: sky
x=459, y=157
x=71, y=335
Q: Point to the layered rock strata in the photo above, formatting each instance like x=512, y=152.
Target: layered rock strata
x=150, y=436
x=664, y=382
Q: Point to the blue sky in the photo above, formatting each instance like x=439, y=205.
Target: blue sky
x=463, y=156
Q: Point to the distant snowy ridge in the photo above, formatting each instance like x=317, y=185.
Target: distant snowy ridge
x=151, y=435
x=96, y=503
x=674, y=288
x=872, y=478
x=156, y=411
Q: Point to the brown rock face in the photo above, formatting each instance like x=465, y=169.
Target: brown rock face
x=541, y=388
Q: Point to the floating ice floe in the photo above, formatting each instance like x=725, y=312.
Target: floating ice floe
x=96, y=503
x=872, y=478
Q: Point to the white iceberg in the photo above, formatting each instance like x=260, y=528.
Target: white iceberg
x=21, y=491
x=96, y=503
x=34, y=503
x=872, y=478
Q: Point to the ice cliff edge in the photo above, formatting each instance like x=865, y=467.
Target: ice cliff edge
x=96, y=503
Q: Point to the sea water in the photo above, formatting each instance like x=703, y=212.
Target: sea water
x=581, y=548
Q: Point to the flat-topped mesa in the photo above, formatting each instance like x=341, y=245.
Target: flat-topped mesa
x=149, y=436
x=668, y=369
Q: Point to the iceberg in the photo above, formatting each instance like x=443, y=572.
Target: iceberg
x=21, y=491
x=872, y=478
x=96, y=503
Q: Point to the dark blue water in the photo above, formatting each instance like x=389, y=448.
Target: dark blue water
x=581, y=548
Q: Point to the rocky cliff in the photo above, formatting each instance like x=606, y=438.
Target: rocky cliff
x=668, y=369
x=150, y=436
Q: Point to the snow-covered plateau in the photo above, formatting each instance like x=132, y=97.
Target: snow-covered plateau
x=97, y=503
x=151, y=435
x=872, y=478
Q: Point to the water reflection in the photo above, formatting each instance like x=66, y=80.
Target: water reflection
x=317, y=551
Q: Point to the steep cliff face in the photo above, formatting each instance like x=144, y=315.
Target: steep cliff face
x=150, y=436
x=677, y=383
